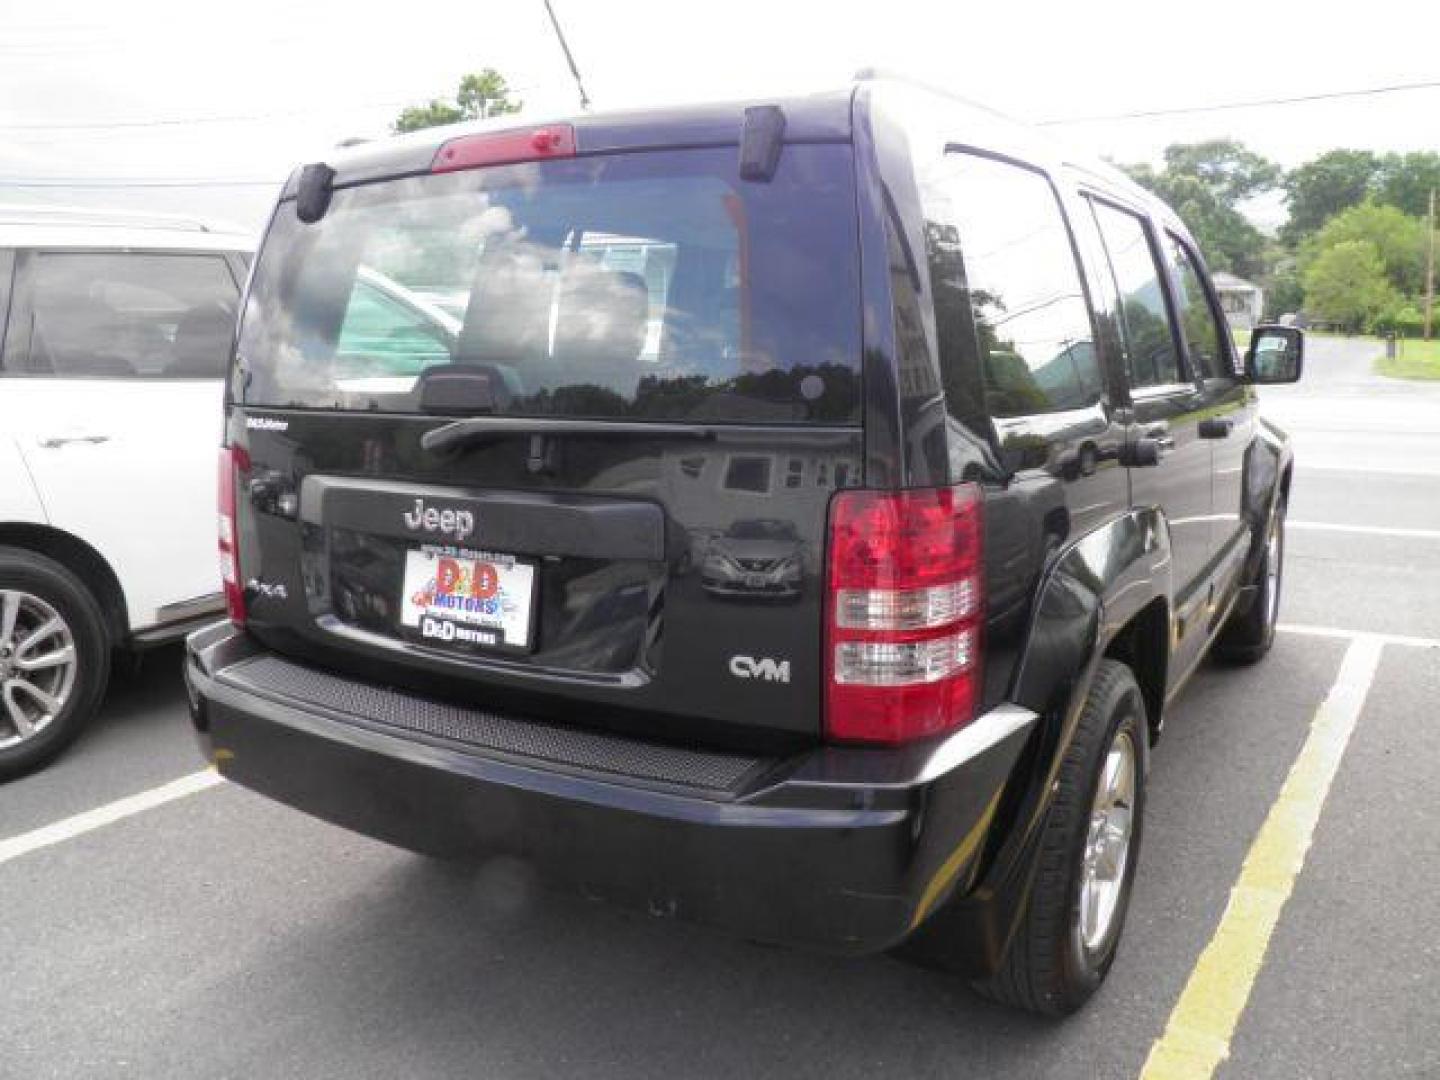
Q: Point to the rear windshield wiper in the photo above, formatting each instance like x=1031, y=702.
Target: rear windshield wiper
x=480, y=428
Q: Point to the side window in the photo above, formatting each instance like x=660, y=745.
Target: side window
x=1150, y=356
x=114, y=315
x=1001, y=260
x=1197, y=317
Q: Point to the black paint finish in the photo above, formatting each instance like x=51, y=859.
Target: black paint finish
x=1087, y=550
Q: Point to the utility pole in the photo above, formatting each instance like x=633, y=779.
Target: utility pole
x=1430, y=271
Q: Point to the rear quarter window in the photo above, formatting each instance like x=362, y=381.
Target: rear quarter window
x=1006, y=281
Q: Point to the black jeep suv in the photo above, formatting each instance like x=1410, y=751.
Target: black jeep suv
x=500, y=391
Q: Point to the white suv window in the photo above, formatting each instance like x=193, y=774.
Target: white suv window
x=116, y=315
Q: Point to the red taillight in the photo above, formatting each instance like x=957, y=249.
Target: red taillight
x=505, y=148
x=904, y=613
x=231, y=461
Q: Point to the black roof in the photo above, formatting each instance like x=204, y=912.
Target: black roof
x=821, y=117
x=828, y=116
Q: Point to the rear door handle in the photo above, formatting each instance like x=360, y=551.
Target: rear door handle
x=1216, y=427
x=54, y=442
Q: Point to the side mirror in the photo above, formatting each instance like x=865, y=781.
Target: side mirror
x=1276, y=355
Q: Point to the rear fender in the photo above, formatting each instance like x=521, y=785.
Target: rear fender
x=1092, y=589
x=1267, y=459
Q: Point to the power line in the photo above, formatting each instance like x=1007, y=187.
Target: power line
x=232, y=118
x=1256, y=104
x=129, y=182
x=178, y=121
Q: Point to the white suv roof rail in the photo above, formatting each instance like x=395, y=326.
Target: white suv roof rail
x=49, y=214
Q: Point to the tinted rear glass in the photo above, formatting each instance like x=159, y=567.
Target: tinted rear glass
x=643, y=285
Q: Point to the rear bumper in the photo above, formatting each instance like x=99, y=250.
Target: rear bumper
x=841, y=849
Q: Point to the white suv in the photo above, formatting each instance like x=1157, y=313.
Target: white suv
x=115, y=331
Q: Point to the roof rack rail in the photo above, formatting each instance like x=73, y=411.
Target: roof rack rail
x=56, y=214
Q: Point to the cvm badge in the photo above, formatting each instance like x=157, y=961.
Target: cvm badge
x=750, y=667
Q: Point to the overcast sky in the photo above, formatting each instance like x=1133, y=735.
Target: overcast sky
x=163, y=91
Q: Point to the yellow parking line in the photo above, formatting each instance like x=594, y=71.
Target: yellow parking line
x=1197, y=1036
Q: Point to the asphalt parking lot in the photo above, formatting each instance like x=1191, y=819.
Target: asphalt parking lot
x=216, y=934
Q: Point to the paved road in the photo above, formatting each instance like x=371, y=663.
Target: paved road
x=222, y=936
x=1344, y=417
x=1342, y=365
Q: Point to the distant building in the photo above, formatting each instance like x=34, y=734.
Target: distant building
x=1242, y=301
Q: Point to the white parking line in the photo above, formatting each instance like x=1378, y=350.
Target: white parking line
x=1351, y=635
x=90, y=820
x=1350, y=467
x=1366, y=530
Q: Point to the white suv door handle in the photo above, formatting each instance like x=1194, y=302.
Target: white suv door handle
x=53, y=442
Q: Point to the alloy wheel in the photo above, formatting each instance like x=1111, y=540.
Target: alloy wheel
x=1107, y=846
x=38, y=665
x=1273, y=554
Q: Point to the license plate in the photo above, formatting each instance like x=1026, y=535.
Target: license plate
x=468, y=599
x=754, y=581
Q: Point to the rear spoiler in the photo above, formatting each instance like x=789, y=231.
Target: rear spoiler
x=818, y=118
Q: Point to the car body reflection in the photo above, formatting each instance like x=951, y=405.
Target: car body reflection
x=755, y=557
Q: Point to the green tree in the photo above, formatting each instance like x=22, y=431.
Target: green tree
x=1399, y=241
x=1401, y=318
x=1346, y=284
x=1227, y=239
x=434, y=114
x=1318, y=190
x=1284, y=290
x=481, y=95
x=1405, y=181
x=1205, y=183
x=1225, y=166
x=484, y=95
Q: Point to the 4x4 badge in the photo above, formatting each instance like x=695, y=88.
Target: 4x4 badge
x=456, y=523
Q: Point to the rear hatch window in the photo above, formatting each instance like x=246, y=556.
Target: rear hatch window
x=635, y=286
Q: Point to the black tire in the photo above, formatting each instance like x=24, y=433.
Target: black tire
x=51, y=583
x=1249, y=633
x=1049, y=968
